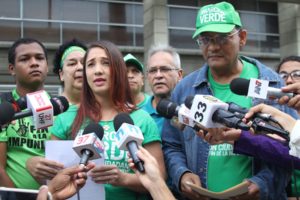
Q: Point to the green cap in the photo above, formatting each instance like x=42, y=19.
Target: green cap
x=220, y=18
x=130, y=59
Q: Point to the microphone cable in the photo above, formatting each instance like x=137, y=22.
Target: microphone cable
x=261, y=127
x=78, y=195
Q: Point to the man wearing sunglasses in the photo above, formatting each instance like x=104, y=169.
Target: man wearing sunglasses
x=188, y=158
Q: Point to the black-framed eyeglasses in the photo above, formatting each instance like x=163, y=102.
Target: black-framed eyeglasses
x=161, y=69
x=220, y=39
x=295, y=75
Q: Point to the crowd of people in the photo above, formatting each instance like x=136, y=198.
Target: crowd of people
x=99, y=83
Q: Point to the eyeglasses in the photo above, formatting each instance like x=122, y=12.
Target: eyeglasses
x=295, y=75
x=161, y=69
x=219, y=39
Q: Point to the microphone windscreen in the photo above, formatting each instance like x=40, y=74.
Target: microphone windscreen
x=60, y=104
x=189, y=101
x=94, y=127
x=122, y=118
x=240, y=86
x=166, y=108
x=22, y=103
x=7, y=112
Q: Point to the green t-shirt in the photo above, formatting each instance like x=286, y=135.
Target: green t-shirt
x=113, y=156
x=294, y=193
x=226, y=169
x=141, y=104
x=23, y=141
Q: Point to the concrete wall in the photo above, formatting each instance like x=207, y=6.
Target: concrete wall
x=289, y=29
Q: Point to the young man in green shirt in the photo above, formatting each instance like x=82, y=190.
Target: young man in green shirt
x=20, y=141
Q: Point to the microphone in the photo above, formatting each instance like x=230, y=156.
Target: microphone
x=89, y=146
x=180, y=115
x=128, y=137
x=42, y=108
x=261, y=125
x=256, y=88
x=211, y=112
x=60, y=104
x=7, y=112
x=240, y=112
x=21, y=103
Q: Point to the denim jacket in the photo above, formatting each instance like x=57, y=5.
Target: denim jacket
x=186, y=152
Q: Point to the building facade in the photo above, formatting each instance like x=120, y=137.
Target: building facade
x=273, y=27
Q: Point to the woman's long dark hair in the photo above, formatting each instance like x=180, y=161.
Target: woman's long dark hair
x=119, y=92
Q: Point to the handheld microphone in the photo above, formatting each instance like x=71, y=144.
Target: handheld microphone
x=211, y=112
x=259, y=121
x=240, y=112
x=180, y=115
x=43, y=111
x=256, y=88
x=6, y=113
x=128, y=137
x=260, y=125
x=89, y=146
x=21, y=103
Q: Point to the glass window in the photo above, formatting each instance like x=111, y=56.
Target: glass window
x=10, y=8
x=244, y=5
x=32, y=9
x=239, y=5
x=260, y=6
x=118, y=10
x=138, y=14
x=139, y=37
x=88, y=20
x=184, y=3
x=44, y=32
x=252, y=44
x=178, y=17
x=269, y=7
x=10, y=30
x=262, y=43
x=76, y=10
x=260, y=23
x=121, y=13
x=118, y=35
x=86, y=33
x=182, y=39
x=269, y=43
x=250, y=21
x=141, y=1
x=270, y=24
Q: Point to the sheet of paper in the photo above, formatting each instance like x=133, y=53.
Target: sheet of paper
x=61, y=151
x=230, y=192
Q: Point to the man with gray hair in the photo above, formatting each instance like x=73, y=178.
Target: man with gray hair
x=163, y=73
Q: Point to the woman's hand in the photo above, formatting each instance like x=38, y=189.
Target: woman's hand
x=108, y=174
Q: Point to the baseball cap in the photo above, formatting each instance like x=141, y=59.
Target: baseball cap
x=130, y=59
x=220, y=18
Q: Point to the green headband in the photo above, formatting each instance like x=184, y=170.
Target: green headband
x=68, y=51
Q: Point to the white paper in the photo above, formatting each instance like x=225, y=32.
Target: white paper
x=61, y=151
